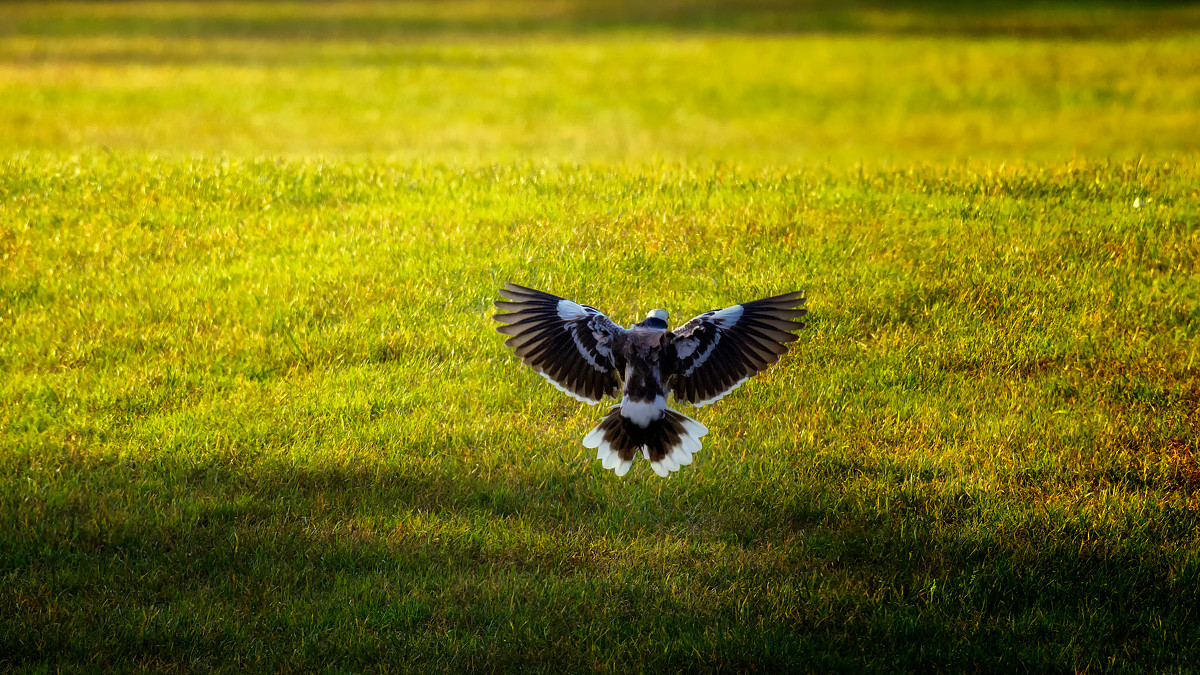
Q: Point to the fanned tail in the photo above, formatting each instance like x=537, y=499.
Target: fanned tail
x=667, y=443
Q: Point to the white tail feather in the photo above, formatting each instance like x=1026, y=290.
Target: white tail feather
x=678, y=455
x=594, y=438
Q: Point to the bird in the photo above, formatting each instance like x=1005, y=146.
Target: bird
x=584, y=354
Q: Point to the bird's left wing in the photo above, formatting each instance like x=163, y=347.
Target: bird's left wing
x=719, y=350
x=574, y=346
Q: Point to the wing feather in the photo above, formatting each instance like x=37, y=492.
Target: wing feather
x=719, y=350
x=574, y=346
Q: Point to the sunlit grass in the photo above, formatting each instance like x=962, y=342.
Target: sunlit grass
x=254, y=414
x=627, y=94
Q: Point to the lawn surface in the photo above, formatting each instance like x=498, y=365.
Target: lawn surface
x=419, y=82
x=254, y=413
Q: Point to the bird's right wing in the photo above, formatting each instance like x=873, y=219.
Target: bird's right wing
x=719, y=350
x=574, y=346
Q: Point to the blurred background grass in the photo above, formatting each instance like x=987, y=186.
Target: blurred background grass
x=578, y=81
x=415, y=18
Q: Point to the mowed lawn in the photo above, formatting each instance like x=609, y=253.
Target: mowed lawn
x=484, y=81
x=254, y=414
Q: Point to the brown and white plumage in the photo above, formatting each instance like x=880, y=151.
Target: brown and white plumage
x=719, y=350
x=570, y=345
x=587, y=356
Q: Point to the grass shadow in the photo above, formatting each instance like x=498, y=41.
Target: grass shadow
x=382, y=22
x=214, y=565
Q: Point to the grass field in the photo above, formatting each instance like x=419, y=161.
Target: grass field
x=254, y=414
x=298, y=80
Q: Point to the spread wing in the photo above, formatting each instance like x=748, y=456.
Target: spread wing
x=719, y=350
x=574, y=346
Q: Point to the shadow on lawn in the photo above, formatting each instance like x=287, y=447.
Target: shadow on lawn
x=1023, y=18
x=169, y=563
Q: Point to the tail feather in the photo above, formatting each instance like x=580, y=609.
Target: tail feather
x=668, y=443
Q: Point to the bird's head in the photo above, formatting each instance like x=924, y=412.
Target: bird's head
x=656, y=318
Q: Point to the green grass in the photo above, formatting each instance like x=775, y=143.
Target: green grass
x=254, y=414
x=420, y=91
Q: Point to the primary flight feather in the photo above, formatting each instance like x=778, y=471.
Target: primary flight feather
x=587, y=356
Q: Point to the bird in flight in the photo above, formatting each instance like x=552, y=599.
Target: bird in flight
x=587, y=356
